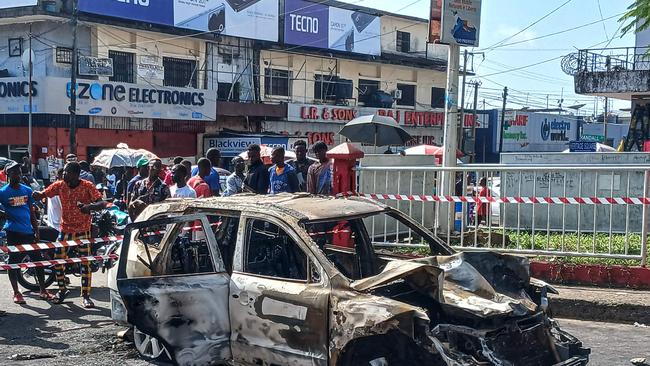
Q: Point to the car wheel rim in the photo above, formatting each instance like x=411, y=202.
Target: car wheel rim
x=148, y=346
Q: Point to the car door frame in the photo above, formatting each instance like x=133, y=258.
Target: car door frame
x=155, y=304
x=273, y=320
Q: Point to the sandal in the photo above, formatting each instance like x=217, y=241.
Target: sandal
x=18, y=299
x=60, y=297
x=47, y=296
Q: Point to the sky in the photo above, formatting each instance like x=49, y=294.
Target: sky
x=501, y=19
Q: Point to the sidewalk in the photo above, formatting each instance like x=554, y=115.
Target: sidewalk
x=601, y=304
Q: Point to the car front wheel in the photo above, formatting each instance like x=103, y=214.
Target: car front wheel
x=150, y=348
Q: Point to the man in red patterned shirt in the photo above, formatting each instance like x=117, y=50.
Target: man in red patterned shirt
x=78, y=199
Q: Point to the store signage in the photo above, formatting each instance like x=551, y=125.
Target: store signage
x=152, y=72
x=231, y=146
x=255, y=19
x=95, y=66
x=94, y=98
x=595, y=138
x=538, y=132
x=326, y=137
x=6, y=4
x=461, y=22
x=335, y=114
x=321, y=26
x=583, y=146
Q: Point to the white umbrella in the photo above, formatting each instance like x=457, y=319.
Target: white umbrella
x=122, y=156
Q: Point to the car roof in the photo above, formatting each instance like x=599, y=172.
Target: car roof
x=302, y=206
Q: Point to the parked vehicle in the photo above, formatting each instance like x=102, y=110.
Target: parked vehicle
x=295, y=280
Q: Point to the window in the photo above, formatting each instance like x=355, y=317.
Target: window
x=403, y=43
x=408, y=95
x=224, y=92
x=225, y=231
x=123, y=65
x=180, y=72
x=64, y=55
x=438, y=97
x=277, y=82
x=324, y=87
x=272, y=252
x=184, y=252
x=366, y=89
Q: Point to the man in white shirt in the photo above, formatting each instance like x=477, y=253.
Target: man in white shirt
x=180, y=189
x=53, y=219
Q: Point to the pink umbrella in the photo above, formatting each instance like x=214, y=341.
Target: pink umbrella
x=431, y=150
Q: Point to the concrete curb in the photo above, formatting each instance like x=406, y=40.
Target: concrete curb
x=598, y=311
x=637, y=278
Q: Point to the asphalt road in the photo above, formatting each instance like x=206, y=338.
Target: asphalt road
x=71, y=335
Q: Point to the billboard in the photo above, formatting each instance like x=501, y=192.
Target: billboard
x=108, y=99
x=255, y=19
x=321, y=26
x=6, y=4
x=461, y=22
x=537, y=132
x=435, y=19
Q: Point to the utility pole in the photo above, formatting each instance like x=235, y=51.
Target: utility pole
x=605, y=120
x=461, y=125
x=503, y=118
x=450, y=136
x=73, y=81
x=31, y=100
x=474, y=118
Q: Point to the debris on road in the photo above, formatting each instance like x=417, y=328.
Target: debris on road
x=639, y=325
x=640, y=361
x=28, y=357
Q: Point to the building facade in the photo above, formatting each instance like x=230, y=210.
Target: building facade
x=177, y=82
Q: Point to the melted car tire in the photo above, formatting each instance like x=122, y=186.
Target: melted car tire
x=387, y=350
x=150, y=348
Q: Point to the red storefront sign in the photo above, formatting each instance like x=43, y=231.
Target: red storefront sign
x=325, y=113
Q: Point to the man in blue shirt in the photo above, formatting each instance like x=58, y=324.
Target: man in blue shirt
x=282, y=177
x=214, y=155
x=21, y=226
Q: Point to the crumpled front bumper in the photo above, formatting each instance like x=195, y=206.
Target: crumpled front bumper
x=534, y=341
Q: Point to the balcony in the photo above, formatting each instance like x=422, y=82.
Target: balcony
x=621, y=73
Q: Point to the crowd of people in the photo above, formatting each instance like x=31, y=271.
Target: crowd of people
x=75, y=195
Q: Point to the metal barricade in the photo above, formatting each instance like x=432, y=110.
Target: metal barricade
x=571, y=211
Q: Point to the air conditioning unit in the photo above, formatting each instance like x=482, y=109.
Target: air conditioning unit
x=397, y=94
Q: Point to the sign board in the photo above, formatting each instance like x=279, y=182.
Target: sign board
x=537, y=132
x=108, y=99
x=321, y=26
x=595, y=138
x=340, y=114
x=255, y=19
x=461, y=22
x=6, y=4
x=95, y=66
x=583, y=146
x=149, y=60
x=232, y=145
x=435, y=19
x=149, y=71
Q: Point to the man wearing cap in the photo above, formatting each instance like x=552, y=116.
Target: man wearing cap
x=78, y=199
x=143, y=171
x=21, y=227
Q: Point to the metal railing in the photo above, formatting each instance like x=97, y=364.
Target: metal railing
x=613, y=59
x=569, y=211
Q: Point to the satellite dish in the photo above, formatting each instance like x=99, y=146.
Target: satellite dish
x=25, y=58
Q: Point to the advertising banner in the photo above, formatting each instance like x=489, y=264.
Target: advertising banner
x=538, y=132
x=461, y=22
x=321, y=26
x=6, y=4
x=110, y=99
x=255, y=19
x=435, y=19
x=232, y=145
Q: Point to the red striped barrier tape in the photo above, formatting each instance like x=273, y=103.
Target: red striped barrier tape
x=54, y=262
x=528, y=200
x=58, y=244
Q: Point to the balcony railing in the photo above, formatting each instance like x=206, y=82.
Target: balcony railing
x=613, y=59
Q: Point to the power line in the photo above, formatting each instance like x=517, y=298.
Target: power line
x=600, y=11
x=529, y=26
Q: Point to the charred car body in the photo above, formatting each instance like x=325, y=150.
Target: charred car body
x=295, y=280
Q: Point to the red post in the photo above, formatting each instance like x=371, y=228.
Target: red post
x=345, y=158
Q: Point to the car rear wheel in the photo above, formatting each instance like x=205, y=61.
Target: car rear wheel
x=150, y=348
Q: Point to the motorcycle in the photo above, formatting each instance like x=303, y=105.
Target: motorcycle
x=104, y=224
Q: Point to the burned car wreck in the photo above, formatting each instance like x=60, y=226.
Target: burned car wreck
x=296, y=280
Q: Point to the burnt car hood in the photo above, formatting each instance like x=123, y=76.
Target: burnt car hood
x=484, y=284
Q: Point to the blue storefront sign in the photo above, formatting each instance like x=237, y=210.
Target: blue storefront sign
x=583, y=146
